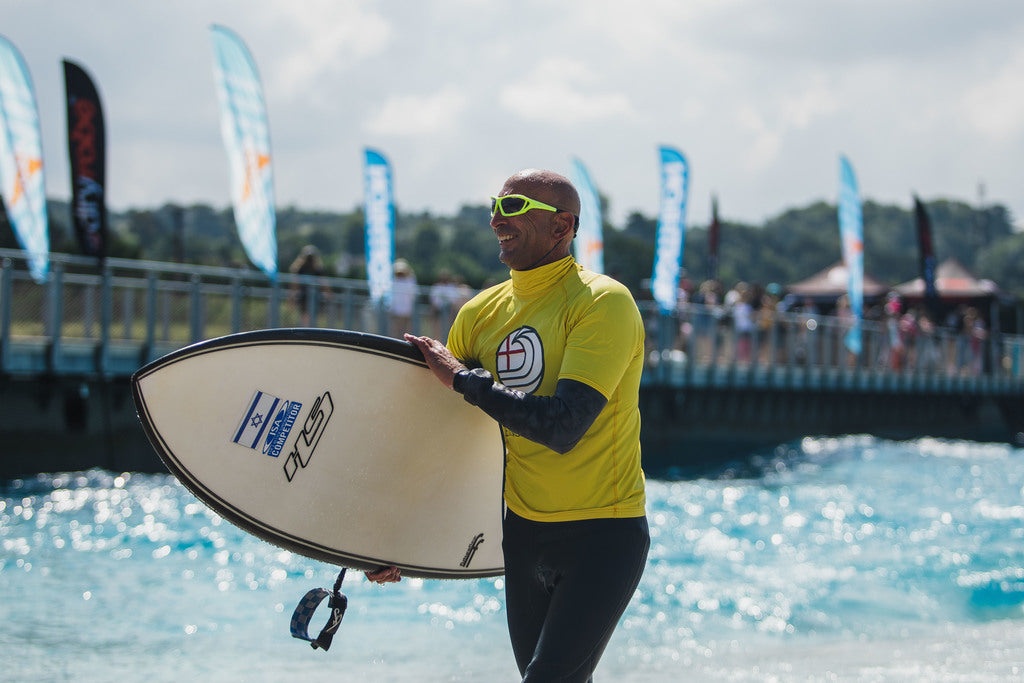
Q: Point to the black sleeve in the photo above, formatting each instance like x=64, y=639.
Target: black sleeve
x=558, y=421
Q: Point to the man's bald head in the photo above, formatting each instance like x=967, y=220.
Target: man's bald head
x=546, y=186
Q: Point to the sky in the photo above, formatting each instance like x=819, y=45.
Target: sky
x=922, y=96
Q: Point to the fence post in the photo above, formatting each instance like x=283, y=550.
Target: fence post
x=6, y=292
x=348, y=309
x=88, y=310
x=55, y=321
x=994, y=346
x=666, y=342
x=196, y=309
x=128, y=313
x=106, y=317
x=236, y=303
x=151, y=302
x=274, y=313
x=312, y=301
x=383, y=319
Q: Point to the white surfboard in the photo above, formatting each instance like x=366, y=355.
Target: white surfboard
x=339, y=446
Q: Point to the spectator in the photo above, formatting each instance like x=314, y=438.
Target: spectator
x=767, y=316
x=908, y=336
x=970, y=342
x=743, y=322
x=309, y=264
x=444, y=302
x=893, y=338
x=707, y=312
x=403, y=298
x=928, y=357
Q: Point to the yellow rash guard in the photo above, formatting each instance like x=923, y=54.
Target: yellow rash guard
x=555, y=322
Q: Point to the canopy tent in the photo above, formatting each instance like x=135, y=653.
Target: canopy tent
x=829, y=284
x=954, y=283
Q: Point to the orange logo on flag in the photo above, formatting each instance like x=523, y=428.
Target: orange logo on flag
x=26, y=169
x=254, y=163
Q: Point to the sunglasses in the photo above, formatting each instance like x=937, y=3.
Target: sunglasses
x=516, y=204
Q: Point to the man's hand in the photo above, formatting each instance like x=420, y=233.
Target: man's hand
x=439, y=359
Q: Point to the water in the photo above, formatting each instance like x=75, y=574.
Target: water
x=834, y=559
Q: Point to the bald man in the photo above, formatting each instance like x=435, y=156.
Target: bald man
x=554, y=354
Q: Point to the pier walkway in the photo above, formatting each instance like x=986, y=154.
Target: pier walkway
x=69, y=345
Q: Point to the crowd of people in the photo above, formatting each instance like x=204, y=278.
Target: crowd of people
x=741, y=324
x=732, y=325
x=445, y=296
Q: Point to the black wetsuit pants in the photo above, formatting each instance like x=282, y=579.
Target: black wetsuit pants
x=566, y=585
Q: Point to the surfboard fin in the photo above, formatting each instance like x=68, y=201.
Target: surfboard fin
x=338, y=603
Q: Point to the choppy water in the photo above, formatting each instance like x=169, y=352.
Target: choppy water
x=837, y=559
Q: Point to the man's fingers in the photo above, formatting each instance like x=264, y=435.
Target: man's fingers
x=384, y=575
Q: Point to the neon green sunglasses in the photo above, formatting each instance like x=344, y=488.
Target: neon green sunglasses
x=516, y=204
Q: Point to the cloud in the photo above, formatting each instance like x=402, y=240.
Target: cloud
x=995, y=107
x=766, y=143
x=642, y=30
x=410, y=115
x=557, y=92
x=770, y=125
x=334, y=36
x=803, y=108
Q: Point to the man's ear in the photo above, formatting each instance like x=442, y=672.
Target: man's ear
x=565, y=225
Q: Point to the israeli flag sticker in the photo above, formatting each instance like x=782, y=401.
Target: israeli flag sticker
x=256, y=419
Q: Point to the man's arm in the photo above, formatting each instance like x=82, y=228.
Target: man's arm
x=558, y=421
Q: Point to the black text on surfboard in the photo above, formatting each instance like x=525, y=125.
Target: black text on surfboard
x=309, y=437
x=474, y=545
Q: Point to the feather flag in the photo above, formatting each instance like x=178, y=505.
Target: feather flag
x=379, y=210
x=21, y=160
x=926, y=257
x=713, y=231
x=243, y=125
x=87, y=154
x=589, y=240
x=668, y=255
x=851, y=233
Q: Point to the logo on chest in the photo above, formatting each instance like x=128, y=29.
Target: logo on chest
x=520, y=360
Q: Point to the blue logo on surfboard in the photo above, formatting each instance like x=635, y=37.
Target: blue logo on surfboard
x=266, y=423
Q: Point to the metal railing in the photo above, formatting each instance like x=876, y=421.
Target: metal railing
x=111, y=319
x=705, y=336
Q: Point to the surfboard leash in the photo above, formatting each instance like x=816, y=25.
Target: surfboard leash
x=307, y=605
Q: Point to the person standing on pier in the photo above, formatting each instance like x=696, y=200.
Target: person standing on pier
x=404, y=290
x=557, y=353
x=308, y=264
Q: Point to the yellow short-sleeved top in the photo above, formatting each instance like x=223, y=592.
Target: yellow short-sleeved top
x=549, y=323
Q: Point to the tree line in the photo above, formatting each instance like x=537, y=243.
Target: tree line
x=787, y=247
